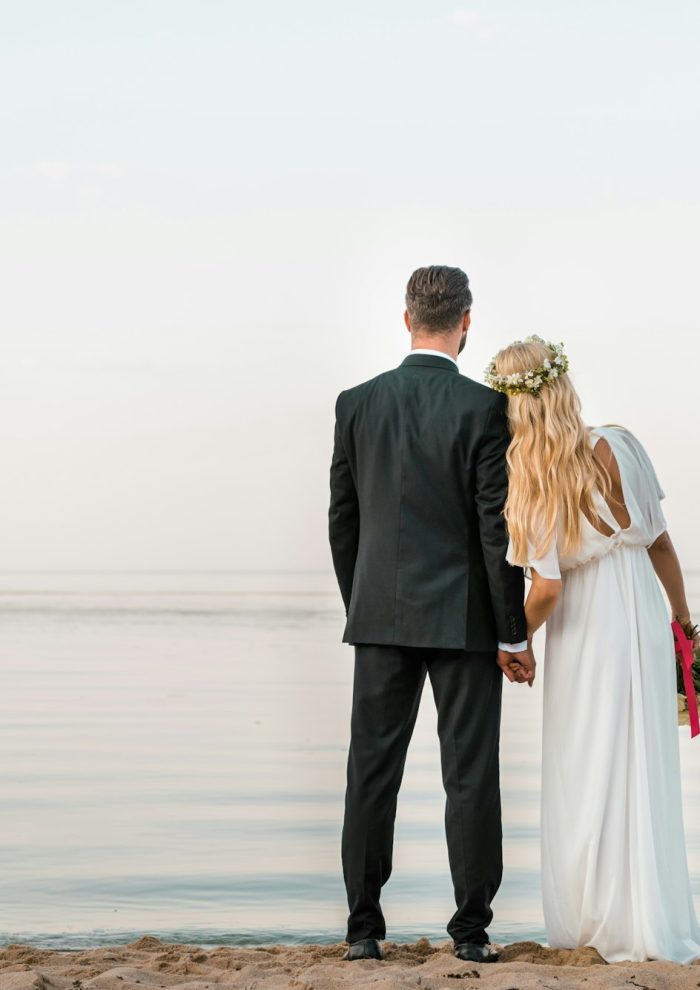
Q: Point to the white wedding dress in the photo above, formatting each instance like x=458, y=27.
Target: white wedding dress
x=614, y=867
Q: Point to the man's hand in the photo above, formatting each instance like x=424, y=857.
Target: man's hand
x=518, y=667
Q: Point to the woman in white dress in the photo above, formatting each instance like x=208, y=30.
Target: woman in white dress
x=584, y=516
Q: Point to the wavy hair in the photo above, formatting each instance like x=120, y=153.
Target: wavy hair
x=551, y=468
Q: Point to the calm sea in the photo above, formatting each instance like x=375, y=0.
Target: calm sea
x=172, y=762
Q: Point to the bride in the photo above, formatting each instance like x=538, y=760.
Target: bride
x=583, y=514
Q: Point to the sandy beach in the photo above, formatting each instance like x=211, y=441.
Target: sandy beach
x=150, y=963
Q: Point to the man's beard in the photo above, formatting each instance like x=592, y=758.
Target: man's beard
x=462, y=343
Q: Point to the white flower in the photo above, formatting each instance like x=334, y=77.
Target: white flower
x=547, y=363
x=554, y=373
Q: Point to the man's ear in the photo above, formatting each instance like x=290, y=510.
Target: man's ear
x=407, y=320
x=466, y=321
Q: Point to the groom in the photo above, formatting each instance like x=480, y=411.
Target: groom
x=418, y=483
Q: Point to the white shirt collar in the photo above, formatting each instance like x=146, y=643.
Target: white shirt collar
x=428, y=350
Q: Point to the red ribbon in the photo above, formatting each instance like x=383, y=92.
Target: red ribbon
x=684, y=649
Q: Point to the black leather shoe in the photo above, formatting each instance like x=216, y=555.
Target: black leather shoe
x=366, y=948
x=476, y=953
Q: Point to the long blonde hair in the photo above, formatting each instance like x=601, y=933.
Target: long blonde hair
x=551, y=469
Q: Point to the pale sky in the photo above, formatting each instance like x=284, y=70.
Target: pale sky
x=210, y=211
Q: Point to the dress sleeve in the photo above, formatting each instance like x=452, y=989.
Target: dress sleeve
x=642, y=489
x=546, y=566
x=649, y=492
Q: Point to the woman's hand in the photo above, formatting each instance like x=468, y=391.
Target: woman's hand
x=691, y=630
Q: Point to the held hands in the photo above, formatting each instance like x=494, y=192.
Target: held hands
x=519, y=667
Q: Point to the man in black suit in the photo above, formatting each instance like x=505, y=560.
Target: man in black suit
x=418, y=483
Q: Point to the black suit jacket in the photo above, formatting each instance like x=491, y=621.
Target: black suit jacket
x=418, y=482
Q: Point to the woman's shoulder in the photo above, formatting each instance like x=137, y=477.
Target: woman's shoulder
x=619, y=438
x=628, y=450
x=615, y=429
x=608, y=441
x=614, y=433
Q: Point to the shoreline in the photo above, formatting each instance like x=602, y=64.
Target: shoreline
x=148, y=962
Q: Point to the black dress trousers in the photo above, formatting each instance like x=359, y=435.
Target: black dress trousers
x=388, y=682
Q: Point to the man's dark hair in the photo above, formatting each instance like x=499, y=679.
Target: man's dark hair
x=437, y=298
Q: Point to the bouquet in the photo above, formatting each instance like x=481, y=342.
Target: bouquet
x=695, y=671
x=687, y=675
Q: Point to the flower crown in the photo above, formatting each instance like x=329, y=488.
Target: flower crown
x=534, y=379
